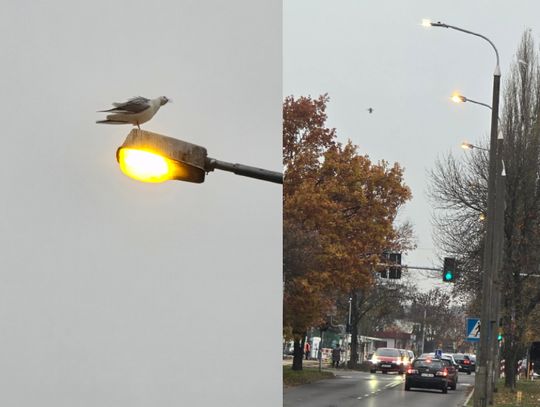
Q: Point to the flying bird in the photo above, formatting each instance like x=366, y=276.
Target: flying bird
x=135, y=111
x=370, y=110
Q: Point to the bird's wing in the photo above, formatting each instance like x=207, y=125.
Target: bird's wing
x=133, y=105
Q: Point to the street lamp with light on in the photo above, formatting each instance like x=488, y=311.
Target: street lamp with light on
x=152, y=157
x=457, y=98
x=469, y=146
x=493, y=243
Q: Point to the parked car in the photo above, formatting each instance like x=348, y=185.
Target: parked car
x=465, y=363
x=427, y=373
x=387, y=360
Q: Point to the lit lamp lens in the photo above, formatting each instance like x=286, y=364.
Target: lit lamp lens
x=144, y=166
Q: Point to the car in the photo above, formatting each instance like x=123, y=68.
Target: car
x=451, y=367
x=411, y=355
x=465, y=363
x=473, y=360
x=427, y=373
x=405, y=358
x=387, y=360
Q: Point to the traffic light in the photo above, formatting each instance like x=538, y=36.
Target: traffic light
x=392, y=267
x=500, y=335
x=449, y=270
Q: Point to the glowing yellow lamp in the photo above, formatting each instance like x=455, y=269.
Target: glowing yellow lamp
x=144, y=165
x=457, y=98
x=152, y=157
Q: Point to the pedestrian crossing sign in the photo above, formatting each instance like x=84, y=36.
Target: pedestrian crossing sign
x=473, y=329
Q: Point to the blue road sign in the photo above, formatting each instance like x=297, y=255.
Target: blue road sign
x=473, y=329
x=438, y=353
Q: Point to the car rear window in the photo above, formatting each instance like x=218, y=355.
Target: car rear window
x=387, y=352
x=436, y=364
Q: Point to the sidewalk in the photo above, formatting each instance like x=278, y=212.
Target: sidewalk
x=314, y=363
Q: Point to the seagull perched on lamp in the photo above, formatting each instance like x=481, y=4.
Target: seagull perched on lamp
x=135, y=111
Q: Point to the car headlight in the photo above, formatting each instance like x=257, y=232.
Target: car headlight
x=374, y=360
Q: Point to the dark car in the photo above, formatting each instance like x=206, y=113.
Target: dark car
x=428, y=374
x=451, y=367
x=465, y=362
x=387, y=360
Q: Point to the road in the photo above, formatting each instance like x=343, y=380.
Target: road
x=362, y=389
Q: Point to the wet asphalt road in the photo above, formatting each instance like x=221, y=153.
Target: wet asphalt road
x=362, y=389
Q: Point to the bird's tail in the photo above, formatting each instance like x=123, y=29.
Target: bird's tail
x=110, y=122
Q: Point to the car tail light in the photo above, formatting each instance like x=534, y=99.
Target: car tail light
x=412, y=371
x=466, y=362
x=443, y=373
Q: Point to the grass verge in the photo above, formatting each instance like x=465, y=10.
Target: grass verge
x=304, y=376
x=527, y=394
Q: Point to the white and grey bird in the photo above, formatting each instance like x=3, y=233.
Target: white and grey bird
x=135, y=111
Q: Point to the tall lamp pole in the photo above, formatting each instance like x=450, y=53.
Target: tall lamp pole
x=493, y=244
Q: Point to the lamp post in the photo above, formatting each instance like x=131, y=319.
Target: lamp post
x=152, y=157
x=493, y=244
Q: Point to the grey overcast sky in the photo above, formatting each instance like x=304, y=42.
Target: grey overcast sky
x=119, y=293
x=376, y=54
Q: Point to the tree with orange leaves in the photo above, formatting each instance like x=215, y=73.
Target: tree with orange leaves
x=338, y=216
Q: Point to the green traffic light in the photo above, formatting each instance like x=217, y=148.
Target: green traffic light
x=449, y=270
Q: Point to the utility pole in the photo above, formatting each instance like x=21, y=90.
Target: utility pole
x=423, y=331
x=493, y=246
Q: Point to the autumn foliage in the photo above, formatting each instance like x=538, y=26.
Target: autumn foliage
x=339, y=210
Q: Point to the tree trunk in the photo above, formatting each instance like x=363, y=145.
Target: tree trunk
x=353, y=362
x=510, y=367
x=298, y=354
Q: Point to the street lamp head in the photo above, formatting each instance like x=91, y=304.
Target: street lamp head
x=426, y=22
x=151, y=157
x=457, y=98
x=466, y=146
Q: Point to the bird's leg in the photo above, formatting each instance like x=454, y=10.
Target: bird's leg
x=138, y=125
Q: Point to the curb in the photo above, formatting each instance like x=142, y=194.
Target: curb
x=468, y=398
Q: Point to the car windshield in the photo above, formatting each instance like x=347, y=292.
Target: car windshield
x=387, y=352
x=435, y=364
